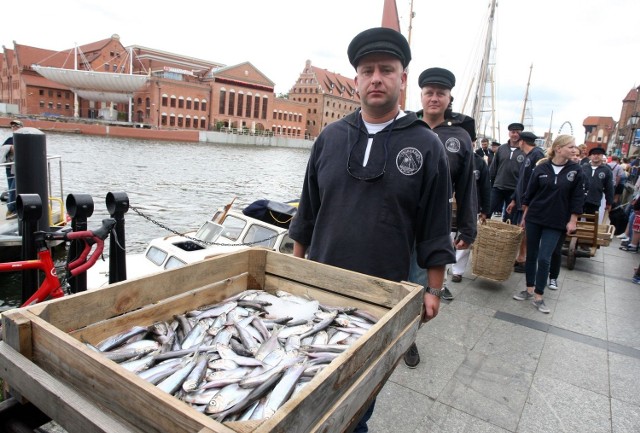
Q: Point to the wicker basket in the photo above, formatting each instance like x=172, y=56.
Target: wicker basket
x=495, y=249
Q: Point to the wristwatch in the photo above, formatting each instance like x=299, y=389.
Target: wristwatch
x=434, y=292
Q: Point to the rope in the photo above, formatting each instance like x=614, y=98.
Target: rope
x=200, y=241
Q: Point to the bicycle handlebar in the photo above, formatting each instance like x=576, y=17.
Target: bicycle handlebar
x=89, y=237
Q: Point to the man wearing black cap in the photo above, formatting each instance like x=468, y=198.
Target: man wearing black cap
x=599, y=181
x=504, y=171
x=533, y=154
x=494, y=148
x=377, y=184
x=436, y=85
x=6, y=155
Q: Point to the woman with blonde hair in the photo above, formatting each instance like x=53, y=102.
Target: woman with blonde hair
x=551, y=205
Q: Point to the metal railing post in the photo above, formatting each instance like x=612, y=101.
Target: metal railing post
x=80, y=208
x=29, y=209
x=117, y=205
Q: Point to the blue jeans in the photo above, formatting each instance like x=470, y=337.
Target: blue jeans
x=11, y=184
x=541, y=242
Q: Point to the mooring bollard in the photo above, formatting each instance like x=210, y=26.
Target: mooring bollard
x=117, y=205
x=79, y=208
x=30, y=149
x=29, y=209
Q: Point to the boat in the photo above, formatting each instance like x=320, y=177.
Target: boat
x=264, y=223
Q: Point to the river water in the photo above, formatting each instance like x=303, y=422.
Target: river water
x=177, y=184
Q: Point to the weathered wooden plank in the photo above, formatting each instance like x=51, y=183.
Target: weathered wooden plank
x=339, y=417
x=129, y=397
x=163, y=310
x=70, y=409
x=273, y=283
x=95, y=305
x=335, y=280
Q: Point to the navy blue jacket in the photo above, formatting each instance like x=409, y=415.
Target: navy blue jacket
x=597, y=183
x=530, y=161
x=552, y=198
x=459, y=151
x=483, y=185
x=505, y=167
x=372, y=227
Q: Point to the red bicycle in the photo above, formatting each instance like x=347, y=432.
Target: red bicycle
x=51, y=286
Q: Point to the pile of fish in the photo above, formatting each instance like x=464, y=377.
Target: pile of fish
x=242, y=358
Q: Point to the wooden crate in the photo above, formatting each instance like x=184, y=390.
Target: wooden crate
x=44, y=360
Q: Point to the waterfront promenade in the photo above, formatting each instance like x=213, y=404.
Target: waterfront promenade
x=496, y=365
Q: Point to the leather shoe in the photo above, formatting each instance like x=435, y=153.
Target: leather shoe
x=412, y=357
x=456, y=278
x=520, y=268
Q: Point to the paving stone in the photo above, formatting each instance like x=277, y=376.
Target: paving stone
x=459, y=326
x=624, y=330
x=625, y=417
x=624, y=372
x=443, y=418
x=570, y=315
x=398, y=409
x=585, y=295
x=556, y=406
x=488, y=388
x=576, y=363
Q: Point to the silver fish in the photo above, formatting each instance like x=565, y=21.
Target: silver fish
x=227, y=397
x=118, y=339
x=196, y=375
x=172, y=383
x=283, y=389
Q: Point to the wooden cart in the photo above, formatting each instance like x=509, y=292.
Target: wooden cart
x=588, y=238
x=43, y=357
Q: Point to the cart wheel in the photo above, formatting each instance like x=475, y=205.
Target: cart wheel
x=571, y=254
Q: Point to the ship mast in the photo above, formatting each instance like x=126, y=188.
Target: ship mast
x=485, y=79
x=391, y=20
x=525, y=108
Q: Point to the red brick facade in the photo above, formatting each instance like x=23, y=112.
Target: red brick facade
x=181, y=92
x=328, y=97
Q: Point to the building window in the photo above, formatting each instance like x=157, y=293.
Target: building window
x=203, y=123
x=67, y=95
x=173, y=101
x=106, y=67
x=248, y=112
x=147, y=102
x=59, y=106
x=180, y=122
x=41, y=104
x=196, y=104
x=164, y=100
x=164, y=120
x=50, y=92
x=172, y=120
x=223, y=101
x=265, y=100
x=256, y=107
x=41, y=92
x=187, y=122
x=180, y=103
x=280, y=115
x=188, y=104
x=59, y=94
x=240, y=109
x=203, y=106
x=232, y=103
x=115, y=68
x=51, y=105
x=275, y=115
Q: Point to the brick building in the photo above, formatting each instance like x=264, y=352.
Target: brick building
x=326, y=95
x=598, y=131
x=176, y=92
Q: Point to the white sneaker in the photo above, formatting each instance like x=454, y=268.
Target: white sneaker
x=623, y=237
x=553, y=284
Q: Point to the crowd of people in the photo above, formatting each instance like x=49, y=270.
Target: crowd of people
x=389, y=213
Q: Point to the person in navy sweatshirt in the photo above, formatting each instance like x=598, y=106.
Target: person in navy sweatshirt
x=551, y=205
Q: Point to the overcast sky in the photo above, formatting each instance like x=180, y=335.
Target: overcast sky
x=585, y=53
